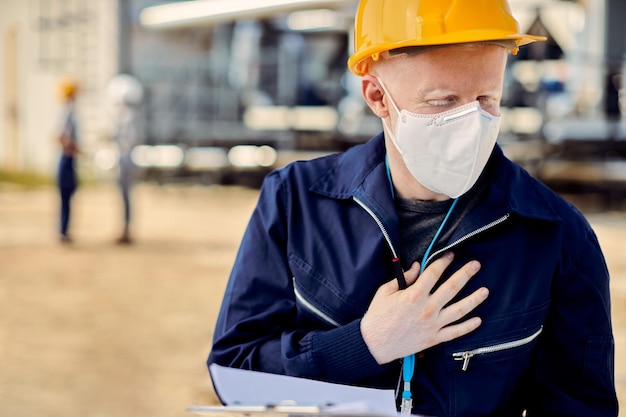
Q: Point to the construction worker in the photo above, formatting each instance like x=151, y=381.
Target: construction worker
x=424, y=260
x=67, y=181
x=125, y=94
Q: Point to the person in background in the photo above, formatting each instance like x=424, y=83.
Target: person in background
x=126, y=94
x=424, y=260
x=67, y=180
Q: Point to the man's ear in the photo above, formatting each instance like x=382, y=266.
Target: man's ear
x=373, y=94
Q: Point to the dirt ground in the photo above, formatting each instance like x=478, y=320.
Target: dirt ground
x=94, y=329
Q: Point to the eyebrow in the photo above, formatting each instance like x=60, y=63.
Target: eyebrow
x=439, y=92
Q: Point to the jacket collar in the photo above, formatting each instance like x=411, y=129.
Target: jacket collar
x=351, y=169
x=360, y=172
x=524, y=195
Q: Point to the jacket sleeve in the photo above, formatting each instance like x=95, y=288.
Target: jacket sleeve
x=574, y=372
x=257, y=327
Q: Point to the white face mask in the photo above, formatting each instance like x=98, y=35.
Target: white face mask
x=445, y=152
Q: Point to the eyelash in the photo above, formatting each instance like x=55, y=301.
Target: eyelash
x=443, y=102
x=487, y=100
x=484, y=101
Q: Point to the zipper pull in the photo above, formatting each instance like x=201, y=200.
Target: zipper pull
x=465, y=357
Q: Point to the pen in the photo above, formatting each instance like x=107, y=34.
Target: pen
x=399, y=273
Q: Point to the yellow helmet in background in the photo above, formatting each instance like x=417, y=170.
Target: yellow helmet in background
x=67, y=87
x=384, y=25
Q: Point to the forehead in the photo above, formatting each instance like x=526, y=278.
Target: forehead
x=507, y=44
x=454, y=55
x=463, y=65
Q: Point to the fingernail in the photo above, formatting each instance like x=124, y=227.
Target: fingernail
x=484, y=292
x=449, y=255
x=475, y=266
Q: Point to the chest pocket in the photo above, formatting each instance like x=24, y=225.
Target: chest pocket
x=325, y=301
x=492, y=351
x=486, y=370
x=309, y=308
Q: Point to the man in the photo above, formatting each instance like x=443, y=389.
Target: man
x=506, y=308
x=66, y=179
x=125, y=94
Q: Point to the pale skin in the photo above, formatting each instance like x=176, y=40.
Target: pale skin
x=403, y=322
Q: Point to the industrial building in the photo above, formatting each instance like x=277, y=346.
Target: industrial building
x=237, y=87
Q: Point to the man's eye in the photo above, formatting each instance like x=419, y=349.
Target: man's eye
x=486, y=101
x=442, y=102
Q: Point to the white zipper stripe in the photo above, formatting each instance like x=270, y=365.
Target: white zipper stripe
x=467, y=236
x=467, y=355
x=312, y=308
x=380, y=225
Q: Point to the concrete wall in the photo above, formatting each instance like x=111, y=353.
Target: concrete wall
x=40, y=42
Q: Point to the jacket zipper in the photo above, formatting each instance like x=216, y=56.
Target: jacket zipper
x=312, y=308
x=469, y=354
x=468, y=236
x=455, y=243
x=380, y=224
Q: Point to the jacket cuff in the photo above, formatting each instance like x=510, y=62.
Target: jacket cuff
x=341, y=354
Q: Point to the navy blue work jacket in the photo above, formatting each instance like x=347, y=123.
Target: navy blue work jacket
x=320, y=243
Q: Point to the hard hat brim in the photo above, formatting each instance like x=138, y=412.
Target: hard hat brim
x=356, y=61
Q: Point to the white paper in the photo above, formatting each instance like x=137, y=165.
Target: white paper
x=241, y=387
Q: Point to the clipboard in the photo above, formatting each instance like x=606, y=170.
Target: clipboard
x=252, y=393
x=280, y=411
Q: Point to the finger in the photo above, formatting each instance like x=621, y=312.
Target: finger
x=449, y=289
x=412, y=273
x=432, y=273
x=457, y=330
x=388, y=287
x=461, y=308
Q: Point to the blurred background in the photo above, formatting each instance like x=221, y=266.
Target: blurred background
x=235, y=88
x=228, y=90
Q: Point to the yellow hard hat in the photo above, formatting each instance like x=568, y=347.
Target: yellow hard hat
x=68, y=87
x=384, y=25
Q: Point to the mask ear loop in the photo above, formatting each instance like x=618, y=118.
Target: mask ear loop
x=393, y=103
x=392, y=135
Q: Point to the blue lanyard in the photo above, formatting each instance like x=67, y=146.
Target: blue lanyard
x=408, y=364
